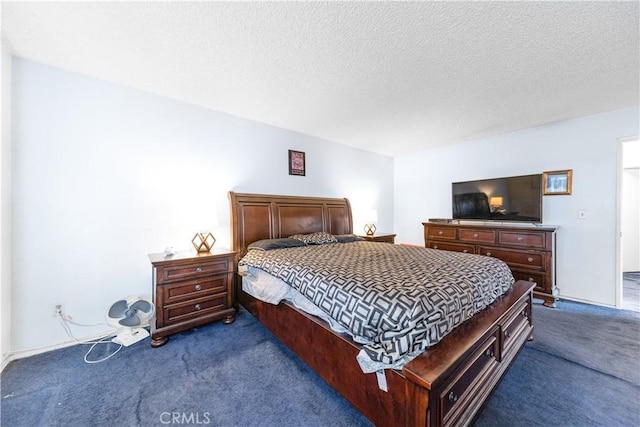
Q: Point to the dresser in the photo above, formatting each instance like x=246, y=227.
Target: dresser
x=191, y=289
x=528, y=251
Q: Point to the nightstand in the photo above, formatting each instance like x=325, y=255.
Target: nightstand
x=191, y=289
x=386, y=238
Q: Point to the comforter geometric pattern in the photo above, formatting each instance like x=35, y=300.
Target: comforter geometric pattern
x=401, y=299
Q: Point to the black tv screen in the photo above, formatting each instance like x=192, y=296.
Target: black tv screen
x=516, y=198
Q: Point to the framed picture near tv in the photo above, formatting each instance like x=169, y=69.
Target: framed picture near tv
x=557, y=183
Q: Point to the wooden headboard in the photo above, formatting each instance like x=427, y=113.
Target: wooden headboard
x=261, y=216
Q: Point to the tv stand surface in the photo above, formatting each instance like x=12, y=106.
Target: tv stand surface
x=528, y=249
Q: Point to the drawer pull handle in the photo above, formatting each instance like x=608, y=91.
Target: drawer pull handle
x=530, y=259
x=440, y=232
x=520, y=238
x=524, y=313
x=198, y=307
x=465, y=251
x=489, y=352
x=435, y=247
x=453, y=398
x=198, y=288
x=488, y=253
x=531, y=279
x=507, y=334
x=198, y=270
x=475, y=234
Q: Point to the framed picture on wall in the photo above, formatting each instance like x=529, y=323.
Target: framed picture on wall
x=296, y=163
x=557, y=183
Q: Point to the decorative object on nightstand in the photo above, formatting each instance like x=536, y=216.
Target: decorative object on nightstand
x=370, y=216
x=191, y=289
x=385, y=238
x=203, y=241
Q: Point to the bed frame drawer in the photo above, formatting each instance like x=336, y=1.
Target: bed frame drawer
x=516, y=329
x=457, y=398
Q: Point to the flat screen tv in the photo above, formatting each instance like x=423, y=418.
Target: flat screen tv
x=516, y=198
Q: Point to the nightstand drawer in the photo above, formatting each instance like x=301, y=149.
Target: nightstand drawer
x=194, y=288
x=174, y=273
x=195, y=308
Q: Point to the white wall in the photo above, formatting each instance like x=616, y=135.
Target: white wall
x=5, y=203
x=630, y=218
x=585, y=247
x=104, y=174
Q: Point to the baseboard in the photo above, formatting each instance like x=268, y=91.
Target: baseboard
x=10, y=357
x=584, y=301
x=6, y=358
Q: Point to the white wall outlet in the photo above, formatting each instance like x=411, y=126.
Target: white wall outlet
x=582, y=214
x=58, y=309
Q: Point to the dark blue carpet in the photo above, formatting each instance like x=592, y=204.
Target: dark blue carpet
x=582, y=369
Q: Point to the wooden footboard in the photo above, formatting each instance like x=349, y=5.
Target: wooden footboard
x=446, y=385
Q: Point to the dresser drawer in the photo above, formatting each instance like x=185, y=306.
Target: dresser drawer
x=187, y=310
x=441, y=233
x=522, y=238
x=191, y=289
x=476, y=235
x=515, y=258
x=448, y=246
x=175, y=273
x=463, y=390
x=532, y=276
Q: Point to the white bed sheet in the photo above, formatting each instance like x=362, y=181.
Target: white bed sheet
x=265, y=287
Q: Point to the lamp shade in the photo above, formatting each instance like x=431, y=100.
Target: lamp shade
x=495, y=201
x=369, y=215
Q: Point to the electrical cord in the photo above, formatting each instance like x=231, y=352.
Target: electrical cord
x=65, y=319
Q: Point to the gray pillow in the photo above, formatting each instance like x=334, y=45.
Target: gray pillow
x=269, y=244
x=348, y=238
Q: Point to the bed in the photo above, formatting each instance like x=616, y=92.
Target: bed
x=446, y=384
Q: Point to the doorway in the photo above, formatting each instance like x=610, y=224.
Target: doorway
x=630, y=224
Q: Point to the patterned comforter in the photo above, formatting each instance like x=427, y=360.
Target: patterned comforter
x=401, y=299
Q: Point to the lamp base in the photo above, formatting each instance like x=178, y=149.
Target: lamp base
x=370, y=229
x=203, y=241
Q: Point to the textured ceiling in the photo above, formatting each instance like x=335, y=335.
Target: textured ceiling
x=389, y=77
